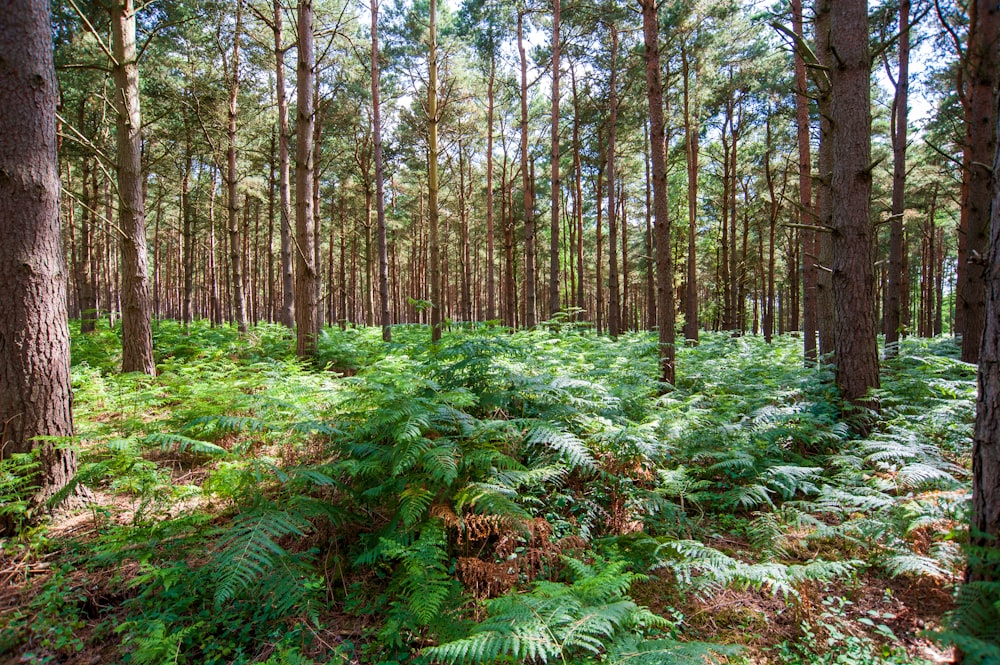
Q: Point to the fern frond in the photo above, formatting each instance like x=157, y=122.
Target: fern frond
x=183, y=444
x=572, y=449
x=250, y=548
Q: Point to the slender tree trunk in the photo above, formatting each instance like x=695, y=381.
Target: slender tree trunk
x=35, y=394
x=383, y=255
x=614, y=298
x=824, y=198
x=691, y=143
x=809, y=245
x=287, y=315
x=232, y=182
x=893, y=311
x=661, y=210
x=306, y=296
x=581, y=301
x=437, y=297
x=85, y=263
x=554, y=234
x=530, y=285
x=491, y=286
x=137, y=331
x=853, y=238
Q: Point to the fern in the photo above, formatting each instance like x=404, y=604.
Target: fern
x=249, y=548
x=554, y=620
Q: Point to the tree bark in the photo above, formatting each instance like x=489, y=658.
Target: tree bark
x=809, y=249
x=530, y=286
x=306, y=297
x=856, y=346
x=35, y=398
x=232, y=181
x=383, y=255
x=825, y=319
x=137, y=331
x=287, y=315
x=893, y=312
x=986, y=438
x=981, y=141
x=691, y=151
x=554, y=304
x=437, y=297
x=661, y=210
x=614, y=298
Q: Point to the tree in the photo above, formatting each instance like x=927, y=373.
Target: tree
x=306, y=286
x=284, y=190
x=856, y=347
x=664, y=267
x=983, y=60
x=894, y=311
x=554, y=232
x=232, y=182
x=383, y=260
x=34, y=337
x=809, y=239
x=137, y=330
x=437, y=300
x=528, y=186
x=986, y=437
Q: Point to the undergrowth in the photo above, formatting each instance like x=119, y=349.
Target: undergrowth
x=498, y=497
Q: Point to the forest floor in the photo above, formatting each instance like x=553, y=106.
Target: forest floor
x=500, y=497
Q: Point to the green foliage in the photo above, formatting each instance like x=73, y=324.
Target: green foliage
x=592, y=619
x=255, y=496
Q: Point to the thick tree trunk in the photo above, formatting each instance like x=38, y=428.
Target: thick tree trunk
x=664, y=267
x=35, y=396
x=530, y=286
x=137, y=331
x=986, y=439
x=856, y=345
x=306, y=296
x=981, y=142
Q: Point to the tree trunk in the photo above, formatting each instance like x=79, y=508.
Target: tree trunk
x=287, y=315
x=437, y=297
x=491, y=286
x=986, y=439
x=981, y=141
x=530, y=285
x=856, y=346
x=383, y=255
x=554, y=305
x=691, y=143
x=137, y=332
x=614, y=298
x=824, y=201
x=233, y=197
x=809, y=245
x=35, y=398
x=893, y=311
x=661, y=210
x=306, y=297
